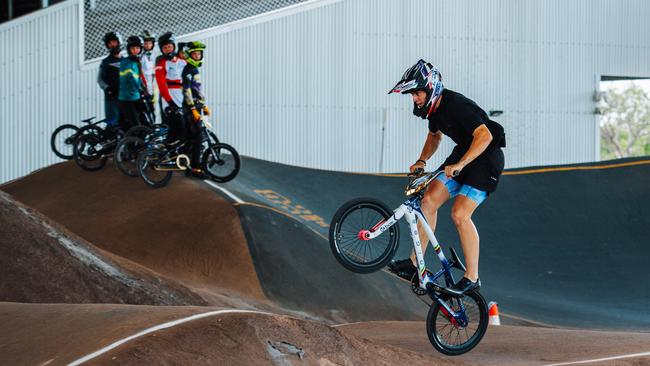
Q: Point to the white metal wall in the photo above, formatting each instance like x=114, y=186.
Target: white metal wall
x=42, y=86
x=310, y=88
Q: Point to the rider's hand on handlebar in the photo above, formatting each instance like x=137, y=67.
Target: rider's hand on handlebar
x=418, y=167
x=453, y=170
x=206, y=110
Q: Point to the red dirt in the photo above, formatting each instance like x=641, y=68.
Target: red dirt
x=255, y=339
x=33, y=334
x=183, y=231
x=513, y=345
x=42, y=262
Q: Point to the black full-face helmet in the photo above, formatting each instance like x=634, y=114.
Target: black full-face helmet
x=134, y=41
x=167, y=38
x=421, y=76
x=113, y=36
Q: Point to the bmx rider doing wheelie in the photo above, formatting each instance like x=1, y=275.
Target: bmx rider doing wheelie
x=472, y=170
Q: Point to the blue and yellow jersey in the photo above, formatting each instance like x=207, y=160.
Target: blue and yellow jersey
x=131, y=79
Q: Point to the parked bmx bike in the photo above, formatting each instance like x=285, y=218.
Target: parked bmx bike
x=158, y=161
x=364, y=238
x=65, y=136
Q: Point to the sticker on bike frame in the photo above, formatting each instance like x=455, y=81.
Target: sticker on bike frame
x=293, y=209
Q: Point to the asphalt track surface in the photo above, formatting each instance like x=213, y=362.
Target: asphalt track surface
x=565, y=246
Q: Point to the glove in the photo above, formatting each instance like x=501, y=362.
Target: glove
x=196, y=115
x=206, y=110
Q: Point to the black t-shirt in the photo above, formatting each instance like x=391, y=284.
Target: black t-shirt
x=458, y=117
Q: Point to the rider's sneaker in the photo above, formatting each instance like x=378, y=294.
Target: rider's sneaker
x=463, y=286
x=403, y=268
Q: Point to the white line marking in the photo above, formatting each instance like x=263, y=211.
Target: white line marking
x=602, y=359
x=227, y=192
x=157, y=328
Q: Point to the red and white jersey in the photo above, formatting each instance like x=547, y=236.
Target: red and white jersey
x=169, y=80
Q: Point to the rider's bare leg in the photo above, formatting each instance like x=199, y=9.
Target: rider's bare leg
x=461, y=214
x=435, y=196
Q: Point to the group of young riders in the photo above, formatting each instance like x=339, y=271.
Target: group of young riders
x=133, y=84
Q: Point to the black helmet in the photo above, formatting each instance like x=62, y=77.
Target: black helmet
x=167, y=38
x=113, y=36
x=421, y=76
x=134, y=41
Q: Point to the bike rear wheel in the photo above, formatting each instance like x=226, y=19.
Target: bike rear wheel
x=88, y=153
x=126, y=155
x=63, y=139
x=354, y=253
x=148, y=162
x=450, y=337
x=221, y=162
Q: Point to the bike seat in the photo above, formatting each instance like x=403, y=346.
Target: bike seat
x=88, y=120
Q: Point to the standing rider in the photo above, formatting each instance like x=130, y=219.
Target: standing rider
x=148, y=63
x=108, y=76
x=169, y=69
x=471, y=172
x=194, y=101
x=133, y=90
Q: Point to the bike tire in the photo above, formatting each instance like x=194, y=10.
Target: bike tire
x=475, y=307
x=84, y=156
x=146, y=161
x=224, y=157
x=62, y=141
x=140, y=131
x=126, y=155
x=348, y=220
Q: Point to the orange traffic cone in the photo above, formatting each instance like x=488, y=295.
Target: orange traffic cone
x=493, y=312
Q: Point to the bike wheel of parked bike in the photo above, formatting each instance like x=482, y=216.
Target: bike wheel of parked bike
x=356, y=254
x=63, y=139
x=451, y=336
x=139, y=131
x=88, y=152
x=148, y=164
x=126, y=155
x=221, y=162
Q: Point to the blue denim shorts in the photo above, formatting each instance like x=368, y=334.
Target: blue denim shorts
x=468, y=191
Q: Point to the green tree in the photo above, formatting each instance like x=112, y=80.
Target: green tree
x=625, y=123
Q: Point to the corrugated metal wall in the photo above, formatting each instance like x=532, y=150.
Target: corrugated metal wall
x=310, y=89
x=42, y=86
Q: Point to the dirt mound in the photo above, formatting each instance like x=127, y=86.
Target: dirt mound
x=57, y=334
x=184, y=231
x=42, y=262
x=258, y=339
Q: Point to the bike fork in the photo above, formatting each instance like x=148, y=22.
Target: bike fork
x=423, y=277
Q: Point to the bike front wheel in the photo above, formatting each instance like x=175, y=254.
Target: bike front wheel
x=126, y=155
x=350, y=250
x=453, y=336
x=149, y=168
x=221, y=162
x=88, y=152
